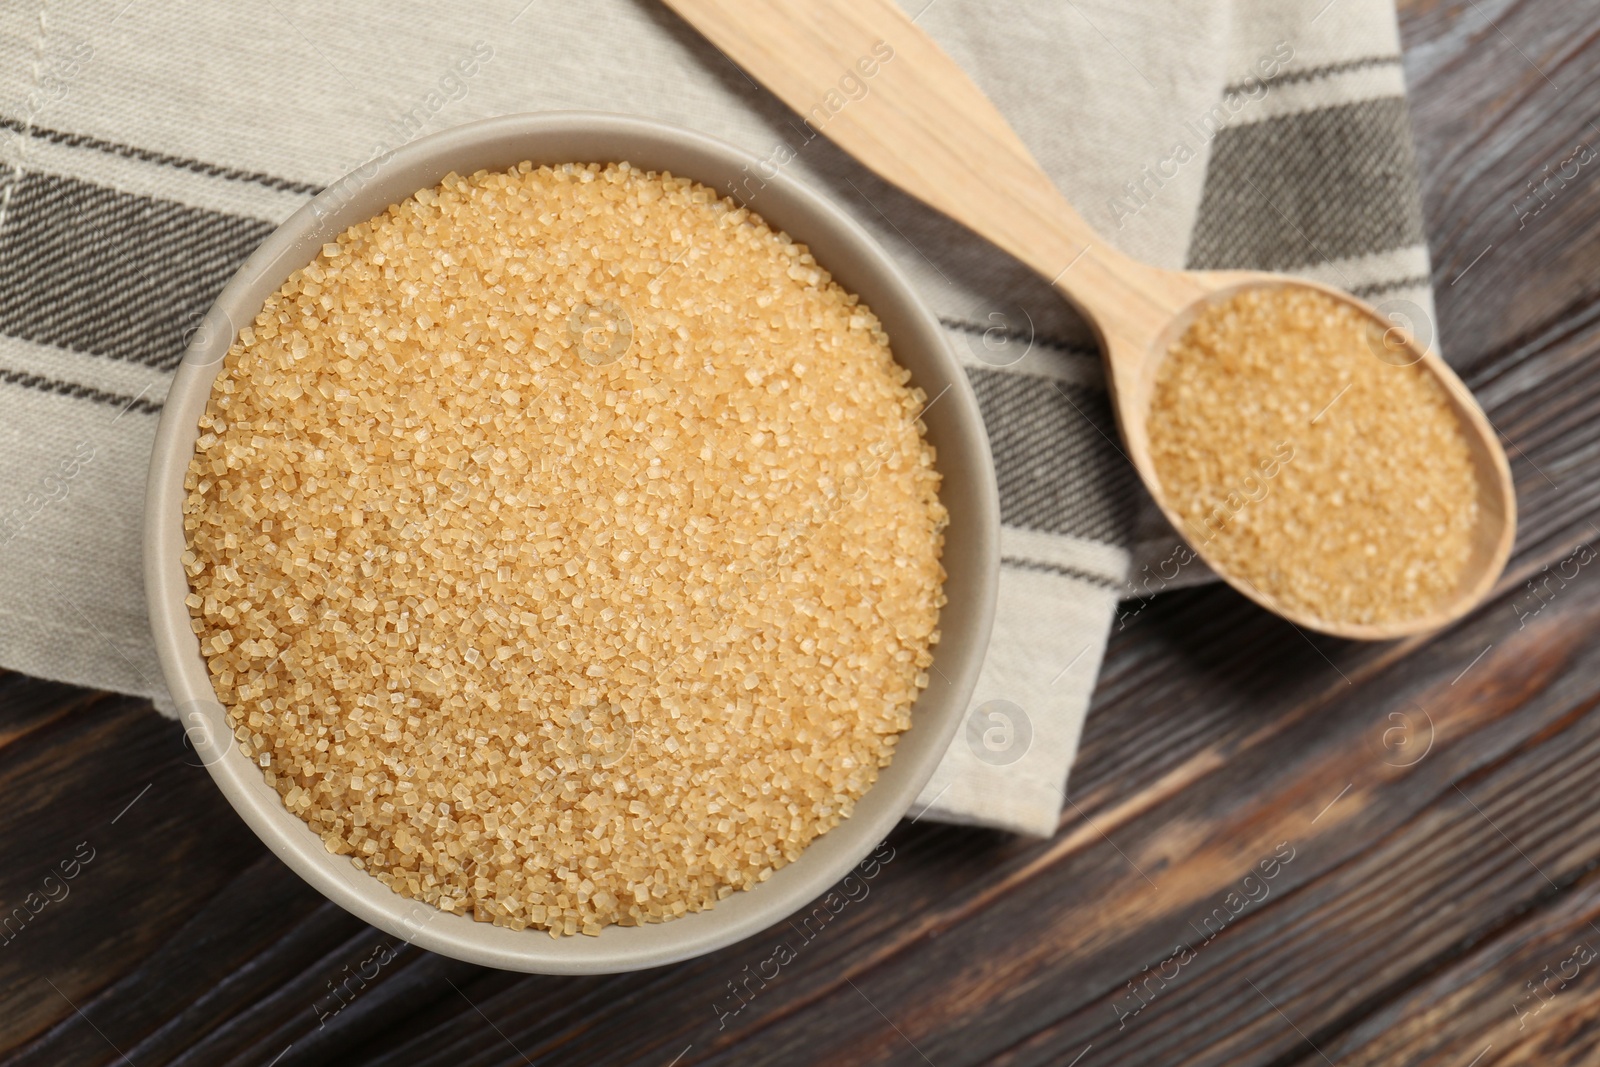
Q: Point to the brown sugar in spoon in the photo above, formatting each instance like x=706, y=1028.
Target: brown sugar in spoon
x=925, y=127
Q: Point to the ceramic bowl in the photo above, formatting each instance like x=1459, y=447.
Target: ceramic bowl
x=971, y=555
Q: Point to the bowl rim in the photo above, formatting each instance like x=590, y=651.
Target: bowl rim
x=295, y=241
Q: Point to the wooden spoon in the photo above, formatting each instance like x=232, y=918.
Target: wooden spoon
x=923, y=126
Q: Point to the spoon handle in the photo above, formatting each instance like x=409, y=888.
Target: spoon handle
x=863, y=74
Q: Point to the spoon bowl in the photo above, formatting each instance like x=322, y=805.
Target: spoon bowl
x=926, y=128
x=1133, y=386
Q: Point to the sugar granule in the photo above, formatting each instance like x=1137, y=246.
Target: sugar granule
x=1305, y=459
x=564, y=546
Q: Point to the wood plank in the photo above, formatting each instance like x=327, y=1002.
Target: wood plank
x=69, y=786
x=207, y=969
x=1500, y=90
x=1528, y=995
x=29, y=704
x=1330, y=950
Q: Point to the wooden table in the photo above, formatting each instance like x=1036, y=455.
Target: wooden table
x=1281, y=850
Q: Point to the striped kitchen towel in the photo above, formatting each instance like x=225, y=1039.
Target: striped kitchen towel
x=146, y=147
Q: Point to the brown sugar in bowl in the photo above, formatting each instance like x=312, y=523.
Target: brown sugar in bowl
x=953, y=428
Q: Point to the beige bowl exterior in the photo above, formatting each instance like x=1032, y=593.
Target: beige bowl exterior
x=971, y=554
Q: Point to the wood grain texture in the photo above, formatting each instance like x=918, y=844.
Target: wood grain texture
x=1438, y=794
